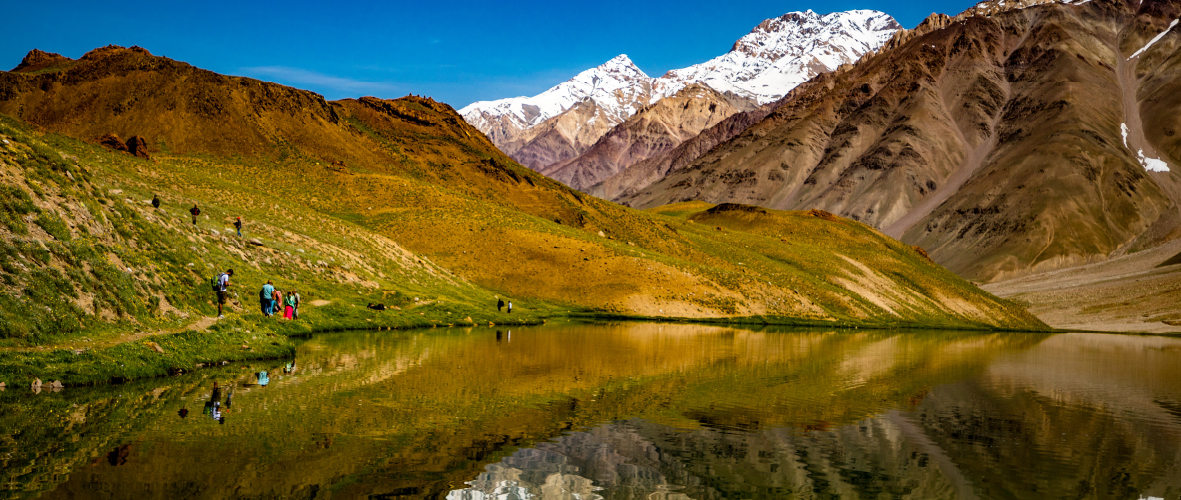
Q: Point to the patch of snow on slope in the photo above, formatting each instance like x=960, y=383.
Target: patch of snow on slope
x=1152, y=164
x=1149, y=164
x=1154, y=40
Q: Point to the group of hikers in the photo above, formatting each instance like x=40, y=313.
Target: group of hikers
x=273, y=300
x=197, y=211
x=270, y=299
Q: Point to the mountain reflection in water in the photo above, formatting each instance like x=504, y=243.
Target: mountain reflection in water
x=628, y=411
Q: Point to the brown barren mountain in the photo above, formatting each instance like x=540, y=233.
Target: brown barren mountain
x=992, y=139
x=560, y=138
x=652, y=131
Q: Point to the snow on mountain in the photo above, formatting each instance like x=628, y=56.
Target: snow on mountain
x=775, y=57
x=783, y=52
x=617, y=86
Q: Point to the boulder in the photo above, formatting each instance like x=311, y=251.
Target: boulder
x=112, y=141
x=137, y=146
x=256, y=242
x=155, y=347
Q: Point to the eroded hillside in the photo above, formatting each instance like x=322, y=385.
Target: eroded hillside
x=1004, y=141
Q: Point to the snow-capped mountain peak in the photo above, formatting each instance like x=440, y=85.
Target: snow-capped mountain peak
x=618, y=86
x=763, y=65
x=783, y=52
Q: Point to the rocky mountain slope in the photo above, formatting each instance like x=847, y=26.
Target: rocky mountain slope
x=412, y=174
x=762, y=66
x=650, y=132
x=1010, y=139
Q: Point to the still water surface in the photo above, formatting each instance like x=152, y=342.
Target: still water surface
x=624, y=411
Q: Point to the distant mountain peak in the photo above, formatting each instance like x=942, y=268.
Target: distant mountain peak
x=775, y=56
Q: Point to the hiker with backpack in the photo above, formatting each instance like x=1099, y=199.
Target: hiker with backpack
x=195, y=211
x=155, y=201
x=264, y=298
x=238, y=225
x=220, y=284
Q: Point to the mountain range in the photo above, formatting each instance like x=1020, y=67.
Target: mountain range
x=1004, y=140
x=778, y=54
x=1015, y=138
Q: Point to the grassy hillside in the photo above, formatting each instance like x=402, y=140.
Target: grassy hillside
x=391, y=201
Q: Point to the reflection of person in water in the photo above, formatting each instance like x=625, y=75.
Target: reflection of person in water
x=213, y=406
x=215, y=412
x=263, y=379
x=499, y=336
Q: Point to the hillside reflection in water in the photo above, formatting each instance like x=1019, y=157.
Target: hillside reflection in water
x=628, y=411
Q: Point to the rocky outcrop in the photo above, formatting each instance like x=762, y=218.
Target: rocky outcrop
x=137, y=146
x=37, y=60
x=112, y=141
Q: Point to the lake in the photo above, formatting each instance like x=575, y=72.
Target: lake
x=634, y=410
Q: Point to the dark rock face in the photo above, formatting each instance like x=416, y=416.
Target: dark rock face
x=137, y=146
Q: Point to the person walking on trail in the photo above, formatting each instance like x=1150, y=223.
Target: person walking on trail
x=289, y=309
x=238, y=225
x=265, y=296
x=510, y=306
x=223, y=283
x=499, y=304
x=195, y=211
x=276, y=301
x=155, y=201
x=295, y=309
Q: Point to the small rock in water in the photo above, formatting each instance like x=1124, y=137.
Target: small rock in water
x=56, y=384
x=2, y=386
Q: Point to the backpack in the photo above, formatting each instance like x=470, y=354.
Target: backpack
x=215, y=283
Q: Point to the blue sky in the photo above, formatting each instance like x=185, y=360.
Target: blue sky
x=457, y=52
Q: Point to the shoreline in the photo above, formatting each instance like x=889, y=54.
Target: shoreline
x=231, y=342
